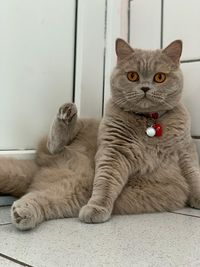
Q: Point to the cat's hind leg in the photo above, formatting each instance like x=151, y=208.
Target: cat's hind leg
x=16, y=175
x=60, y=194
x=156, y=196
x=64, y=128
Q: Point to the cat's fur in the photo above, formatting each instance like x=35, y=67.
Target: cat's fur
x=134, y=173
x=57, y=183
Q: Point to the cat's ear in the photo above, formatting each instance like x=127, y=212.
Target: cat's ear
x=174, y=50
x=122, y=49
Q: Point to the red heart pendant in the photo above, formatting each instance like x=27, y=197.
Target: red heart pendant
x=158, y=129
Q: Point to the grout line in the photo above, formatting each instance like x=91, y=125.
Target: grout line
x=75, y=48
x=2, y=224
x=104, y=54
x=14, y=260
x=190, y=60
x=184, y=214
x=195, y=136
x=19, y=150
x=129, y=20
x=161, y=24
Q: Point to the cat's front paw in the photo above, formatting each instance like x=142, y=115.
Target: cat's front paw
x=94, y=214
x=24, y=215
x=67, y=113
x=194, y=201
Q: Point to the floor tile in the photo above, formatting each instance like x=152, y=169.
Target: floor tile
x=4, y=215
x=152, y=240
x=7, y=263
x=189, y=211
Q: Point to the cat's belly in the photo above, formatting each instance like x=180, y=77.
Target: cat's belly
x=164, y=175
x=148, y=156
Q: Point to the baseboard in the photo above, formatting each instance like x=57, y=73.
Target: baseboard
x=6, y=200
x=19, y=154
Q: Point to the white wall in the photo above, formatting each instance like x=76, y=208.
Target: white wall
x=116, y=25
x=155, y=23
x=36, y=67
x=37, y=62
x=100, y=22
x=37, y=57
x=90, y=57
x=145, y=23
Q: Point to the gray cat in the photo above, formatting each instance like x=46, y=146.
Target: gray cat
x=145, y=162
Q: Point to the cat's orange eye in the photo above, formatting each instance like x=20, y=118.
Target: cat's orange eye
x=159, y=77
x=133, y=76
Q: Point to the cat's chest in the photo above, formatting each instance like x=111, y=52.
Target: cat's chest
x=171, y=134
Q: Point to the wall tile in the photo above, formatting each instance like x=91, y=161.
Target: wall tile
x=145, y=23
x=36, y=68
x=182, y=21
x=191, y=94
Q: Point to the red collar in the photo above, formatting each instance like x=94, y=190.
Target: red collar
x=152, y=115
x=153, y=128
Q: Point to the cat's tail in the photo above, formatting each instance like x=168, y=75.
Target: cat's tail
x=16, y=176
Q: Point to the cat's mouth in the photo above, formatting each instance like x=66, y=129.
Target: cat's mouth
x=148, y=101
x=146, y=97
x=151, y=97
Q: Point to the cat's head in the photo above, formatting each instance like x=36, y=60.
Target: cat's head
x=147, y=81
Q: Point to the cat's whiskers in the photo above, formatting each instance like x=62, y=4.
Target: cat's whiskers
x=120, y=101
x=167, y=104
x=172, y=93
x=133, y=97
x=130, y=94
x=160, y=99
x=155, y=97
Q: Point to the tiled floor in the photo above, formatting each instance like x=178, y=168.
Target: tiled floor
x=167, y=239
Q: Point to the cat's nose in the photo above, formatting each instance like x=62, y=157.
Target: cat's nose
x=145, y=89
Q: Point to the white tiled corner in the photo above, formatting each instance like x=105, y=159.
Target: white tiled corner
x=90, y=58
x=162, y=239
x=191, y=93
x=145, y=23
x=182, y=21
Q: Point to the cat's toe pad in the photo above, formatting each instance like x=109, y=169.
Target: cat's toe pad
x=67, y=112
x=94, y=214
x=23, y=215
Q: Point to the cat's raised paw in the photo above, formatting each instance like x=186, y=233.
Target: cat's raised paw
x=67, y=112
x=23, y=215
x=94, y=214
x=194, y=201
